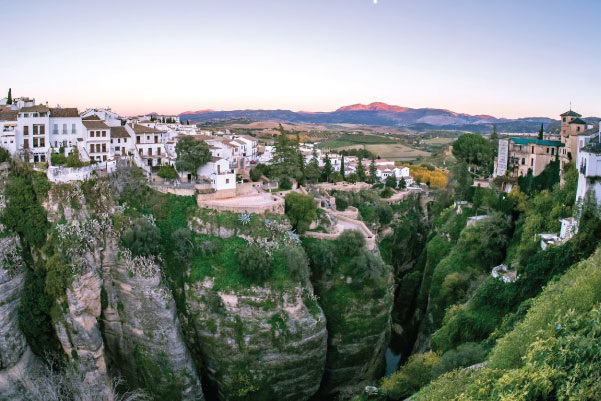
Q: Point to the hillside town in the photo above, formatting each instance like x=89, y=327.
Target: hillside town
x=69, y=145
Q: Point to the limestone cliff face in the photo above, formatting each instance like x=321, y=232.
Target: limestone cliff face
x=17, y=361
x=79, y=333
x=142, y=330
x=258, y=342
x=359, y=324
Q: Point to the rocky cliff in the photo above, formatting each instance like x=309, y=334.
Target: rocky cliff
x=17, y=362
x=259, y=342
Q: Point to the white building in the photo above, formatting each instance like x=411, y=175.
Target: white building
x=109, y=117
x=150, y=145
x=122, y=143
x=8, y=128
x=219, y=172
x=588, y=163
x=98, y=139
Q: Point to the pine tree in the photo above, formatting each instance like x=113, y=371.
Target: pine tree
x=10, y=96
x=373, y=171
x=312, y=171
x=301, y=175
x=285, y=156
x=494, y=141
x=327, y=169
x=541, y=132
x=361, y=170
x=342, y=167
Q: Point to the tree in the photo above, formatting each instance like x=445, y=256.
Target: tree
x=301, y=175
x=10, y=96
x=24, y=213
x=142, y=238
x=361, y=170
x=402, y=183
x=167, y=173
x=373, y=172
x=312, y=171
x=73, y=159
x=327, y=169
x=494, y=140
x=473, y=149
x=541, y=133
x=4, y=155
x=477, y=200
x=342, y=167
x=301, y=211
x=255, y=264
x=351, y=243
x=352, y=178
x=191, y=154
x=391, y=181
x=285, y=156
x=463, y=180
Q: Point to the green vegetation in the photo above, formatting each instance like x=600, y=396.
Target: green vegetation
x=255, y=264
x=167, y=173
x=474, y=150
x=143, y=238
x=4, y=155
x=301, y=210
x=73, y=159
x=191, y=154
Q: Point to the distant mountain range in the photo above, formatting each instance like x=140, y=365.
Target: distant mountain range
x=382, y=114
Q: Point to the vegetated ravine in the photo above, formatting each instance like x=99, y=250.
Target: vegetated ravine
x=111, y=290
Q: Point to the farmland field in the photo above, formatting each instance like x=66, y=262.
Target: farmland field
x=396, y=151
x=439, y=141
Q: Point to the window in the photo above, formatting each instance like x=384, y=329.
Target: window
x=35, y=142
x=227, y=180
x=533, y=149
x=91, y=148
x=552, y=151
x=578, y=129
x=158, y=151
x=104, y=147
x=564, y=119
x=73, y=129
x=137, y=139
x=91, y=134
x=156, y=139
x=531, y=162
x=55, y=129
x=103, y=134
x=547, y=150
x=149, y=151
x=64, y=129
x=523, y=161
x=26, y=143
x=26, y=130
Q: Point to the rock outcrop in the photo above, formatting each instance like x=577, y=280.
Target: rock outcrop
x=259, y=342
x=17, y=361
x=142, y=331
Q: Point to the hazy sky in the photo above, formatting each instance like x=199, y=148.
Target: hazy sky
x=510, y=58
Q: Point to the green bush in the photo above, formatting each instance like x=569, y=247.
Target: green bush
x=341, y=203
x=385, y=214
x=386, y=193
x=143, y=238
x=255, y=264
x=366, y=267
x=4, y=155
x=73, y=159
x=465, y=355
x=351, y=243
x=167, y=173
x=297, y=263
x=256, y=174
x=322, y=255
x=58, y=158
x=301, y=210
x=285, y=183
x=410, y=377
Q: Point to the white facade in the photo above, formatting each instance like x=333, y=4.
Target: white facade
x=588, y=163
x=220, y=174
x=109, y=117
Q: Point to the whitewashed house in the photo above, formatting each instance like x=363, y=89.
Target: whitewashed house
x=98, y=139
x=8, y=129
x=109, y=117
x=122, y=143
x=219, y=173
x=150, y=145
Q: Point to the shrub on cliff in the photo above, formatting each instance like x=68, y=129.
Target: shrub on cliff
x=255, y=264
x=301, y=211
x=350, y=243
x=143, y=238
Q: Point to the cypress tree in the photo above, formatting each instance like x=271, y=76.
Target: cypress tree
x=342, y=167
x=327, y=169
x=361, y=170
x=541, y=132
x=10, y=96
x=373, y=172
